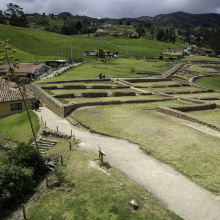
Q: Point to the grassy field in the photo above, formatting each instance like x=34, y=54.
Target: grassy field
x=191, y=152
x=17, y=127
x=123, y=98
x=115, y=68
x=201, y=95
x=160, y=83
x=173, y=89
x=88, y=193
x=208, y=115
x=38, y=45
x=209, y=82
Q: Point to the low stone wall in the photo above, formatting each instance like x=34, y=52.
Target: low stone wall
x=195, y=107
x=73, y=106
x=191, y=92
x=49, y=87
x=147, y=80
x=65, y=95
x=123, y=94
x=74, y=87
x=185, y=116
x=94, y=94
x=101, y=87
x=72, y=81
x=52, y=103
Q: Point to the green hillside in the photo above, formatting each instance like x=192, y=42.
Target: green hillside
x=37, y=45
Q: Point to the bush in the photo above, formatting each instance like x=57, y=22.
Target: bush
x=15, y=181
x=26, y=155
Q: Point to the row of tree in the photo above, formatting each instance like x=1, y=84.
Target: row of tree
x=15, y=15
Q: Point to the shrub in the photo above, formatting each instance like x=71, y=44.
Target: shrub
x=26, y=155
x=15, y=181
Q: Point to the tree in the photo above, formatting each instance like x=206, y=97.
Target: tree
x=7, y=59
x=16, y=16
x=27, y=156
x=2, y=18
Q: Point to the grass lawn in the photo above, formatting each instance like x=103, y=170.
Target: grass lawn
x=191, y=152
x=208, y=115
x=209, y=82
x=123, y=98
x=201, y=95
x=88, y=193
x=160, y=83
x=17, y=127
x=115, y=68
x=79, y=91
x=173, y=89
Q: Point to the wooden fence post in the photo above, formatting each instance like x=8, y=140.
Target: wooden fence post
x=24, y=214
x=47, y=182
x=61, y=160
x=70, y=145
x=57, y=129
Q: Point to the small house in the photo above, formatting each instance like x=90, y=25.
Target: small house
x=11, y=101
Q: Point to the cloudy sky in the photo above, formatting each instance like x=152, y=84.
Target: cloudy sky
x=116, y=8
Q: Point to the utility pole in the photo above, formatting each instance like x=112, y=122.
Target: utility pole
x=98, y=48
x=71, y=51
x=127, y=48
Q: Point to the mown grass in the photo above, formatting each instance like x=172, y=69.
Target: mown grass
x=173, y=89
x=201, y=95
x=78, y=92
x=88, y=193
x=115, y=68
x=209, y=82
x=17, y=127
x=123, y=98
x=208, y=115
x=44, y=45
x=191, y=152
x=159, y=83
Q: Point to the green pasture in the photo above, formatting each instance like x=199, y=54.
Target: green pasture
x=173, y=89
x=208, y=115
x=201, y=95
x=191, y=152
x=209, y=82
x=38, y=45
x=114, y=68
x=88, y=192
x=17, y=127
x=122, y=98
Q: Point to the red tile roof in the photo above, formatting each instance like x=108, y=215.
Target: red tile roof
x=8, y=92
x=23, y=67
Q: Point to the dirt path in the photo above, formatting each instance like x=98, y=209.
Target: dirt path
x=175, y=191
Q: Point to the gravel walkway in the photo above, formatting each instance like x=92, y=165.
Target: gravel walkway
x=175, y=191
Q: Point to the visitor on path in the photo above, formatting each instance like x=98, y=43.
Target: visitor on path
x=100, y=76
x=36, y=105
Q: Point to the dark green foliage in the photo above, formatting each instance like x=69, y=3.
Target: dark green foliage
x=16, y=16
x=2, y=18
x=15, y=181
x=26, y=155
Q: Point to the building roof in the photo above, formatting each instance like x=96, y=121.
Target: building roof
x=23, y=68
x=9, y=92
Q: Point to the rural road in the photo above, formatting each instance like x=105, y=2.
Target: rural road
x=172, y=189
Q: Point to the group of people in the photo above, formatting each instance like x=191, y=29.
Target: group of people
x=36, y=105
x=102, y=76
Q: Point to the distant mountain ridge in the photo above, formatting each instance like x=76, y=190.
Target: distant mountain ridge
x=183, y=20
